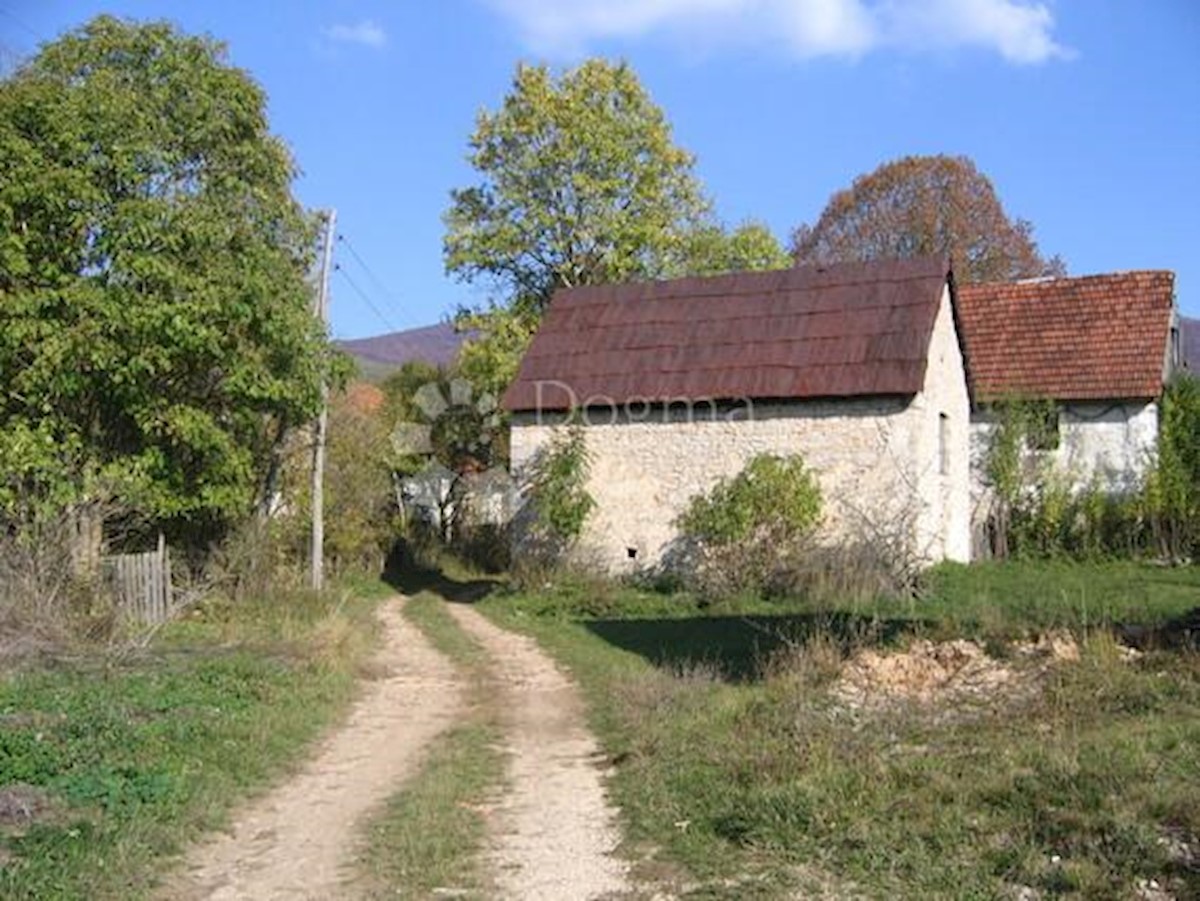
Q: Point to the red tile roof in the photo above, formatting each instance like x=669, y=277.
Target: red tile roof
x=1098, y=337
x=852, y=329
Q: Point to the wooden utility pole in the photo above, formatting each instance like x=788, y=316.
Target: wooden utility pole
x=318, y=467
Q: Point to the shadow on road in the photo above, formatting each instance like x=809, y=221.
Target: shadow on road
x=409, y=576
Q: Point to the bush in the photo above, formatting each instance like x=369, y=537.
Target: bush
x=558, y=496
x=1040, y=512
x=748, y=530
x=1173, y=489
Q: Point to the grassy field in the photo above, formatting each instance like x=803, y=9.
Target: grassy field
x=737, y=760
x=429, y=835
x=112, y=765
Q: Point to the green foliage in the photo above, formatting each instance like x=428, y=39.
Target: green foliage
x=491, y=359
x=1041, y=512
x=155, y=332
x=580, y=183
x=1014, y=468
x=558, y=492
x=749, y=531
x=400, y=390
x=751, y=247
x=137, y=757
x=360, y=506
x=772, y=494
x=1173, y=489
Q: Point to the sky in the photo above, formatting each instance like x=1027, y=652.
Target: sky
x=1085, y=115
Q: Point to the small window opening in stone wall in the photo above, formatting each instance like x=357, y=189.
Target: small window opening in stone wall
x=631, y=553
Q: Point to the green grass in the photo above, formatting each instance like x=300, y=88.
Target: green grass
x=431, y=832
x=138, y=756
x=427, y=611
x=738, y=771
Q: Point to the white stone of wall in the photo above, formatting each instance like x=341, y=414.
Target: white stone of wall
x=1110, y=444
x=877, y=461
x=944, y=524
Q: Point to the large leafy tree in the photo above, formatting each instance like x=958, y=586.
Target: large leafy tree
x=921, y=205
x=580, y=182
x=155, y=325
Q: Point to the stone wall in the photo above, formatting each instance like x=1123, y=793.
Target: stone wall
x=883, y=463
x=941, y=453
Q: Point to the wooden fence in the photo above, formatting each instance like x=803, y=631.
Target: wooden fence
x=142, y=583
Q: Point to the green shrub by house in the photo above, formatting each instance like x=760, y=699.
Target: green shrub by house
x=747, y=529
x=558, y=494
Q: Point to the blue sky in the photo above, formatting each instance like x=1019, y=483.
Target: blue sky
x=1085, y=115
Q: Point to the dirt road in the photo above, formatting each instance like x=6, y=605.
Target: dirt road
x=297, y=841
x=554, y=833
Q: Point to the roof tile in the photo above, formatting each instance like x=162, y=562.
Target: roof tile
x=1096, y=337
x=827, y=331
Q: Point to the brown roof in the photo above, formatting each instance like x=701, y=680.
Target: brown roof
x=832, y=331
x=1092, y=338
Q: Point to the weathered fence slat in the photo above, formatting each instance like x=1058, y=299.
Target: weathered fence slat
x=142, y=583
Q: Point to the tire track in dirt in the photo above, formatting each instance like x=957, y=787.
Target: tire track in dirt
x=300, y=839
x=554, y=833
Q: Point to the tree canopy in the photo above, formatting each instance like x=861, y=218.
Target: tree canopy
x=580, y=183
x=920, y=205
x=155, y=324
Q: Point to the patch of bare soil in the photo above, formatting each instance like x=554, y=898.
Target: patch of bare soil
x=554, y=833
x=297, y=841
x=21, y=805
x=928, y=671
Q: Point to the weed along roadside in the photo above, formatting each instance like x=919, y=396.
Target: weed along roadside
x=112, y=767
x=997, y=740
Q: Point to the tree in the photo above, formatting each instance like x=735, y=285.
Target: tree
x=580, y=183
x=155, y=328
x=921, y=205
x=750, y=247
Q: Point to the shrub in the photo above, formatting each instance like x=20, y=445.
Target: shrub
x=1173, y=489
x=1041, y=513
x=747, y=530
x=558, y=496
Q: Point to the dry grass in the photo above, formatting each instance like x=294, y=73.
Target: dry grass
x=1029, y=754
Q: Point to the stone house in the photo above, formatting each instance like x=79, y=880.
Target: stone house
x=1099, y=347
x=859, y=367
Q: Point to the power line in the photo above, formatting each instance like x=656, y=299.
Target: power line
x=365, y=298
x=363, y=263
x=374, y=279
x=13, y=17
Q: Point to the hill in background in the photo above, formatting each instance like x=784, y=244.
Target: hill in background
x=376, y=357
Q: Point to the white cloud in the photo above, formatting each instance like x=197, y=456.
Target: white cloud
x=367, y=33
x=1021, y=31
